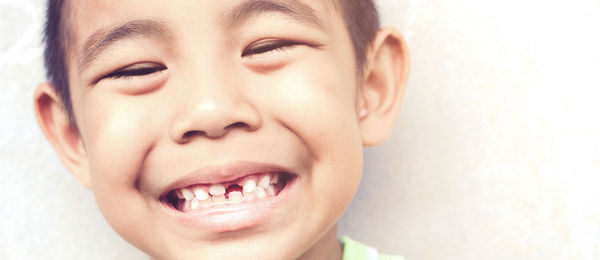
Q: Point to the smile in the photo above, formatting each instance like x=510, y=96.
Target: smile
x=246, y=189
x=231, y=197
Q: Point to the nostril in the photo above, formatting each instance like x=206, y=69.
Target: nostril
x=189, y=134
x=237, y=125
x=214, y=133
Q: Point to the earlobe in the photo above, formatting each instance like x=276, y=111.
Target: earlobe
x=64, y=137
x=383, y=86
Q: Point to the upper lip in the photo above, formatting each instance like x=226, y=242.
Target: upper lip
x=223, y=173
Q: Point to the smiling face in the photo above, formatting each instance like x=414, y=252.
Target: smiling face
x=219, y=129
x=172, y=95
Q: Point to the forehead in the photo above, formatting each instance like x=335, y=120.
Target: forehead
x=85, y=17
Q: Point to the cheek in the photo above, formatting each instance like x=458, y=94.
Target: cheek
x=118, y=132
x=318, y=103
x=325, y=96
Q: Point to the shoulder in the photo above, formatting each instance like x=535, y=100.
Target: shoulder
x=354, y=250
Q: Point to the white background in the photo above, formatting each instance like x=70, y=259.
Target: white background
x=496, y=153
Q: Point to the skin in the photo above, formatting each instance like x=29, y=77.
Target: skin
x=302, y=107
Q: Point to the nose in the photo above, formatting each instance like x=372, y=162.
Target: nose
x=212, y=114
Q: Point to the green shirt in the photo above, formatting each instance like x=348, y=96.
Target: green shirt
x=356, y=251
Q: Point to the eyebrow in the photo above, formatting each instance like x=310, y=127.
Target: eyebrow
x=146, y=28
x=104, y=38
x=294, y=9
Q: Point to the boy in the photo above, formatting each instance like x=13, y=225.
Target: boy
x=229, y=129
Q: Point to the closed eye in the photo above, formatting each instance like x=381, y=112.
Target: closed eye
x=136, y=70
x=267, y=46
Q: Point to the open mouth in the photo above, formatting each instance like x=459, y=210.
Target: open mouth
x=246, y=189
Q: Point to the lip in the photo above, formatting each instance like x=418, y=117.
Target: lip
x=232, y=217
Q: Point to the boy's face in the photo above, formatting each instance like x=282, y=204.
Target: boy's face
x=189, y=93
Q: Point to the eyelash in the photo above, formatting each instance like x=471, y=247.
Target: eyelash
x=260, y=48
x=128, y=73
x=268, y=46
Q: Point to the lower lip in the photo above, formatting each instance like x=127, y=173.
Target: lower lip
x=233, y=217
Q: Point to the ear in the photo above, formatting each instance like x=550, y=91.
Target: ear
x=64, y=137
x=384, y=82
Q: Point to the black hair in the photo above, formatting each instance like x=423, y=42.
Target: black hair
x=55, y=55
x=362, y=22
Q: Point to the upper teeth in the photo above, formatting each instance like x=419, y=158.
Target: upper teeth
x=187, y=194
x=216, y=189
x=203, y=196
x=179, y=194
x=249, y=185
x=200, y=193
x=264, y=181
